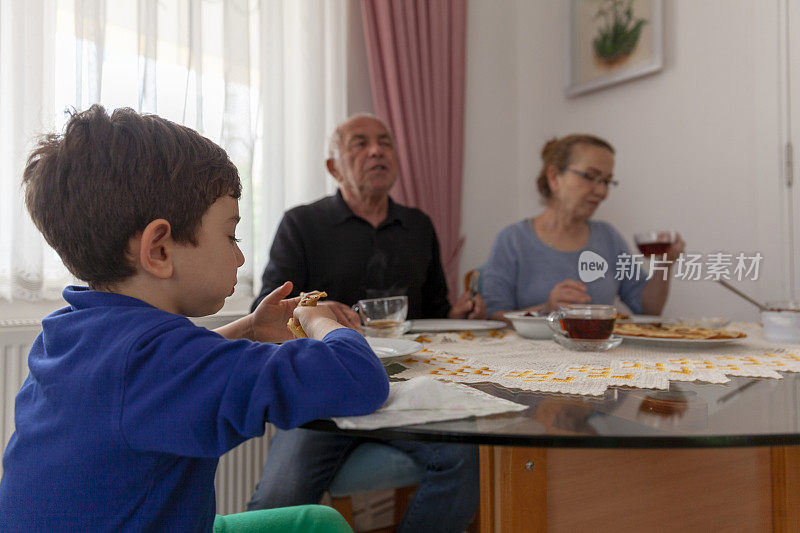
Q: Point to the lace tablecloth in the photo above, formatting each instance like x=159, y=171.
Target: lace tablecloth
x=505, y=358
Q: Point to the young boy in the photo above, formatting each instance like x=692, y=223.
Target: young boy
x=128, y=405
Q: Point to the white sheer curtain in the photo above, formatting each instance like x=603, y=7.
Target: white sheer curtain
x=266, y=79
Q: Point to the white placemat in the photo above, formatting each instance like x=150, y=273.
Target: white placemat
x=424, y=399
x=541, y=365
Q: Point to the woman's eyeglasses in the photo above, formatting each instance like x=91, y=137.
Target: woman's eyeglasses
x=595, y=179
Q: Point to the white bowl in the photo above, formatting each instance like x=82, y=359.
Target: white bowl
x=783, y=325
x=531, y=327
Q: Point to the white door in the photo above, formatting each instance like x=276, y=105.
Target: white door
x=777, y=96
x=791, y=204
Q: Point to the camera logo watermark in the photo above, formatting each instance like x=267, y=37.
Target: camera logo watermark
x=591, y=266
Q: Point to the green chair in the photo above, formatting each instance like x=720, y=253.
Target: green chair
x=299, y=519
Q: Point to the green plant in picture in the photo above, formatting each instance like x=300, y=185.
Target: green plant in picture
x=619, y=31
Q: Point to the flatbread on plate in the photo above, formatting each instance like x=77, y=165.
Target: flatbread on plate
x=675, y=331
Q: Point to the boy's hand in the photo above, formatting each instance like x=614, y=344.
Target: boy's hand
x=317, y=321
x=268, y=321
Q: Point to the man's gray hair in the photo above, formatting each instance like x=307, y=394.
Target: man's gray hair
x=335, y=140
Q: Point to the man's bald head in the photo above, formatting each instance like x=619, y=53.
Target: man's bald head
x=363, y=158
x=335, y=140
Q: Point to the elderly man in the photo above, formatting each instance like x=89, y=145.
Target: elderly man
x=359, y=244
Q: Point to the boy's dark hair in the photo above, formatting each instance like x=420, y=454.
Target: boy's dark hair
x=100, y=183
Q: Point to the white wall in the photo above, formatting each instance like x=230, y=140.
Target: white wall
x=491, y=159
x=697, y=143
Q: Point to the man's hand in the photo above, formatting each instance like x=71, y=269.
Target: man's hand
x=468, y=307
x=569, y=291
x=268, y=321
x=317, y=321
x=343, y=314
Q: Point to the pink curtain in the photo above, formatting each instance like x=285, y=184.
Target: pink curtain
x=416, y=54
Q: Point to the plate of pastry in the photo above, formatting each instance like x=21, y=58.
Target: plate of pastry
x=454, y=324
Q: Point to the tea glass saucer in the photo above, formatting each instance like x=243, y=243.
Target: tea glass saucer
x=588, y=345
x=402, y=328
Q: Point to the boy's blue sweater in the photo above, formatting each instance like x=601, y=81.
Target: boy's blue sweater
x=127, y=408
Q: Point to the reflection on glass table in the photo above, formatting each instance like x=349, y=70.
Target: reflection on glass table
x=743, y=412
x=697, y=456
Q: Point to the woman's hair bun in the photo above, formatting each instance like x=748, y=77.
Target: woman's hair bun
x=549, y=147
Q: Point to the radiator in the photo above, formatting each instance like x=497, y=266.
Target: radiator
x=238, y=473
x=16, y=337
x=238, y=470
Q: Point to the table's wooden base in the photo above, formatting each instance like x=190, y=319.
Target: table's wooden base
x=703, y=489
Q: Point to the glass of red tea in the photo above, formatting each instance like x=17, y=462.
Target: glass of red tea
x=583, y=322
x=654, y=242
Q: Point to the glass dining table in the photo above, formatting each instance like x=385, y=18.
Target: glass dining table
x=698, y=456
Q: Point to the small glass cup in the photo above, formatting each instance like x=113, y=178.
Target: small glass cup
x=383, y=317
x=584, y=327
x=592, y=322
x=654, y=242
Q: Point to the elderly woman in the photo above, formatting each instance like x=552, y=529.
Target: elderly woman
x=533, y=265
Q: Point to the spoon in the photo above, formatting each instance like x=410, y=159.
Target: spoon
x=730, y=287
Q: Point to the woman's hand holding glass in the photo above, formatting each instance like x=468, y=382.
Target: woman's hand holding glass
x=676, y=249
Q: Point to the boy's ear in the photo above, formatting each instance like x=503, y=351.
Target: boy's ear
x=155, y=252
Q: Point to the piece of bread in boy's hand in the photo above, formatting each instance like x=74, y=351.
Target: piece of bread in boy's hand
x=307, y=299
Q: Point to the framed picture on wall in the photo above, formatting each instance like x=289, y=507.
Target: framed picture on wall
x=611, y=41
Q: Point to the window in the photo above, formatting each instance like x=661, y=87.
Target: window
x=264, y=79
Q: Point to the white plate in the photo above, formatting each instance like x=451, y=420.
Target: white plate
x=454, y=324
x=683, y=342
x=388, y=348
